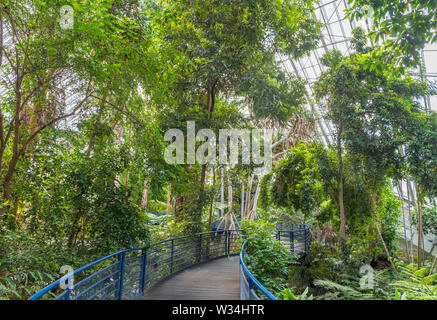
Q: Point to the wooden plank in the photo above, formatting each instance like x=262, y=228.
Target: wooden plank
x=215, y=280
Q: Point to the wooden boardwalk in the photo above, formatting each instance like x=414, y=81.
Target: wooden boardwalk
x=215, y=280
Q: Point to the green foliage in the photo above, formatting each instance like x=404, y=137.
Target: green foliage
x=341, y=291
x=274, y=95
x=82, y=197
x=388, y=212
x=264, y=195
x=422, y=156
x=296, y=185
x=404, y=26
x=429, y=220
x=377, y=114
x=319, y=263
x=416, y=284
x=225, y=66
x=29, y=263
x=267, y=258
x=287, y=294
x=342, y=280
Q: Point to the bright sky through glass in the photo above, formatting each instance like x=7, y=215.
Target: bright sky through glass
x=337, y=31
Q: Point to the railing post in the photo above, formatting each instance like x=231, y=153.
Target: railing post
x=200, y=248
x=68, y=294
x=226, y=242
x=306, y=240
x=250, y=283
x=121, y=258
x=229, y=241
x=292, y=241
x=143, y=272
x=171, y=256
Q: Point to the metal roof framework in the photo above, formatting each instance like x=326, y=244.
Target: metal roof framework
x=336, y=34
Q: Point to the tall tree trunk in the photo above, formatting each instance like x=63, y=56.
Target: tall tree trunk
x=15, y=153
x=1, y=37
x=210, y=106
x=254, y=215
x=248, y=196
x=145, y=196
x=179, y=206
x=127, y=171
x=242, y=200
x=375, y=221
x=410, y=197
x=203, y=177
x=433, y=264
x=403, y=219
x=2, y=142
x=95, y=128
x=419, y=231
x=8, y=177
x=211, y=204
x=340, y=181
x=168, y=199
x=222, y=192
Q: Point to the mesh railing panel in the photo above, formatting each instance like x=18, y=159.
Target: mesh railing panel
x=130, y=273
x=296, y=239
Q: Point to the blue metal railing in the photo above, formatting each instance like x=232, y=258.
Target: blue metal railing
x=250, y=287
x=131, y=273
x=297, y=237
x=248, y=282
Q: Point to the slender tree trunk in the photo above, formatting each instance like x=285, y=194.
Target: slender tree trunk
x=419, y=232
x=254, y=215
x=222, y=192
x=179, y=206
x=410, y=197
x=372, y=200
x=8, y=177
x=403, y=219
x=210, y=106
x=145, y=196
x=433, y=264
x=95, y=127
x=211, y=204
x=2, y=142
x=230, y=201
x=248, y=197
x=168, y=199
x=15, y=153
x=340, y=181
x=203, y=177
x=1, y=37
x=127, y=170
x=242, y=200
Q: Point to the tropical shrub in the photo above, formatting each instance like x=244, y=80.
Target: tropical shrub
x=268, y=259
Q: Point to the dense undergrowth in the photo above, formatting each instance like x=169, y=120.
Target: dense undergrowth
x=333, y=272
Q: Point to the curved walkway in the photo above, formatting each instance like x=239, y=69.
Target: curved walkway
x=127, y=273
x=214, y=280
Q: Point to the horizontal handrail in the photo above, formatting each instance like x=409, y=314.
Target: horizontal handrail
x=75, y=272
x=165, y=258
x=250, y=277
x=248, y=282
x=134, y=275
